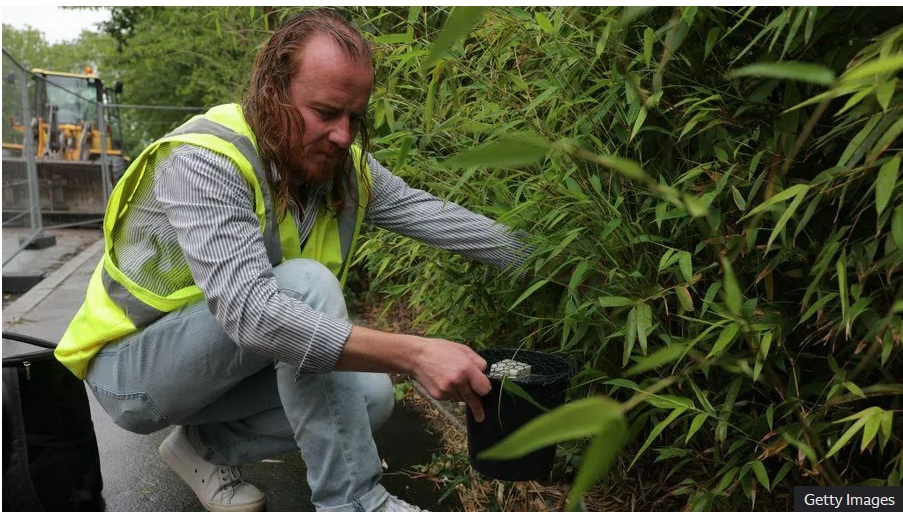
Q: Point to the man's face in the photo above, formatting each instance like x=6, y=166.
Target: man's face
x=331, y=91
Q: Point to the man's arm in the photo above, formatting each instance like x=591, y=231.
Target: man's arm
x=447, y=370
x=415, y=213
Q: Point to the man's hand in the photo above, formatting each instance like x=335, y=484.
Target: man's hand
x=447, y=370
x=451, y=371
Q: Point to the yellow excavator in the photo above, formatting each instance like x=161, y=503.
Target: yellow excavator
x=77, y=134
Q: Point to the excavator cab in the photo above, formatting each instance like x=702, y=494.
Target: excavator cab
x=76, y=128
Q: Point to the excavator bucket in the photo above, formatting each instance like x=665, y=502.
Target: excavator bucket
x=69, y=190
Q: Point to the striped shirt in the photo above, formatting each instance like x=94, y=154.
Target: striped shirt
x=198, y=214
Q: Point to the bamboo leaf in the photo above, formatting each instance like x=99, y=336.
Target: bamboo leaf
x=887, y=421
x=807, y=216
x=509, y=386
x=788, y=70
x=845, y=438
x=611, y=302
x=738, y=198
x=782, y=222
x=459, y=24
x=726, y=479
x=810, y=23
x=577, y=277
x=884, y=185
x=684, y=298
x=706, y=404
x=778, y=198
x=575, y=420
x=695, y=425
x=759, y=469
x=726, y=409
x=603, y=39
x=871, y=430
x=696, y=207
x=856, y=143
x=732, y=296
x=648, y=42
x=656, y=431
x=709, y=298
x=643, y=323
x=885, y=92
x=724, y=339
x=688, y=14
x=865, y=413
x=400, y=38
x=686, y=266
x=889, y=64
x=629, y=337
x=769, y=416
x=624, y=166
x=543, y=21
x=640, y=118
x=841, y=267
x=598, y=459
x=887, y=138
x=710, y=41
x=667, y=259
x=764, y=347
x=512, y=151
x=791, y=36
x=896, y=227
x=853, y=388
x=855, y=100
x=537, y=285
x=661, y=357
x=668, y=402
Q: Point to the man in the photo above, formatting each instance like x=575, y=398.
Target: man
x=218, y=304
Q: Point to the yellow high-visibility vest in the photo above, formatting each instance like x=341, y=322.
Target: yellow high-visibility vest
x=116, y=306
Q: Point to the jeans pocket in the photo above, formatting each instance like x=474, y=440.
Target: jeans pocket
x=134, y=412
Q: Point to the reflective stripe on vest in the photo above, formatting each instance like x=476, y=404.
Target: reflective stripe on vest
x=116, y=306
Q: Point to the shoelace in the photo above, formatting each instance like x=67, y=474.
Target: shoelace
x=230, y=476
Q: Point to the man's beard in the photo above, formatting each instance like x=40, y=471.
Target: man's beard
x=327, y=170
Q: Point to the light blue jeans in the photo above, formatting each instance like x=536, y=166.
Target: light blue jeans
x=184, y=370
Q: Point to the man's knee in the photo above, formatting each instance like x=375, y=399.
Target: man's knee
x=133, y=411
x=312, y=282
x=302, y=273
x=380, y=398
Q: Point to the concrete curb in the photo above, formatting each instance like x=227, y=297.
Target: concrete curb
x=24, y=304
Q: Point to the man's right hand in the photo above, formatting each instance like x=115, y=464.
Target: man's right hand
x=451, y=371
x=447, y=370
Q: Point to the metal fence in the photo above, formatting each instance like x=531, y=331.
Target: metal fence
x=20, y=190
x=57, y=171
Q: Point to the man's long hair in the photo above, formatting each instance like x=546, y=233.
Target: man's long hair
x=271, y=115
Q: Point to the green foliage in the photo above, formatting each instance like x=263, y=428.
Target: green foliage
x=713, y=202
x=711, y=195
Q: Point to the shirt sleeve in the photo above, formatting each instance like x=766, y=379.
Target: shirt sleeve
x=415, y=213
x=211, y=208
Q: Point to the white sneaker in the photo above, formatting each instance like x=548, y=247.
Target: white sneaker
x=393, y=504
x=219, y=488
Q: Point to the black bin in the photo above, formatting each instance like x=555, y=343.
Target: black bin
x=506, y=412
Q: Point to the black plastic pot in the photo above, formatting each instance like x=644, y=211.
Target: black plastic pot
x=506, y=412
